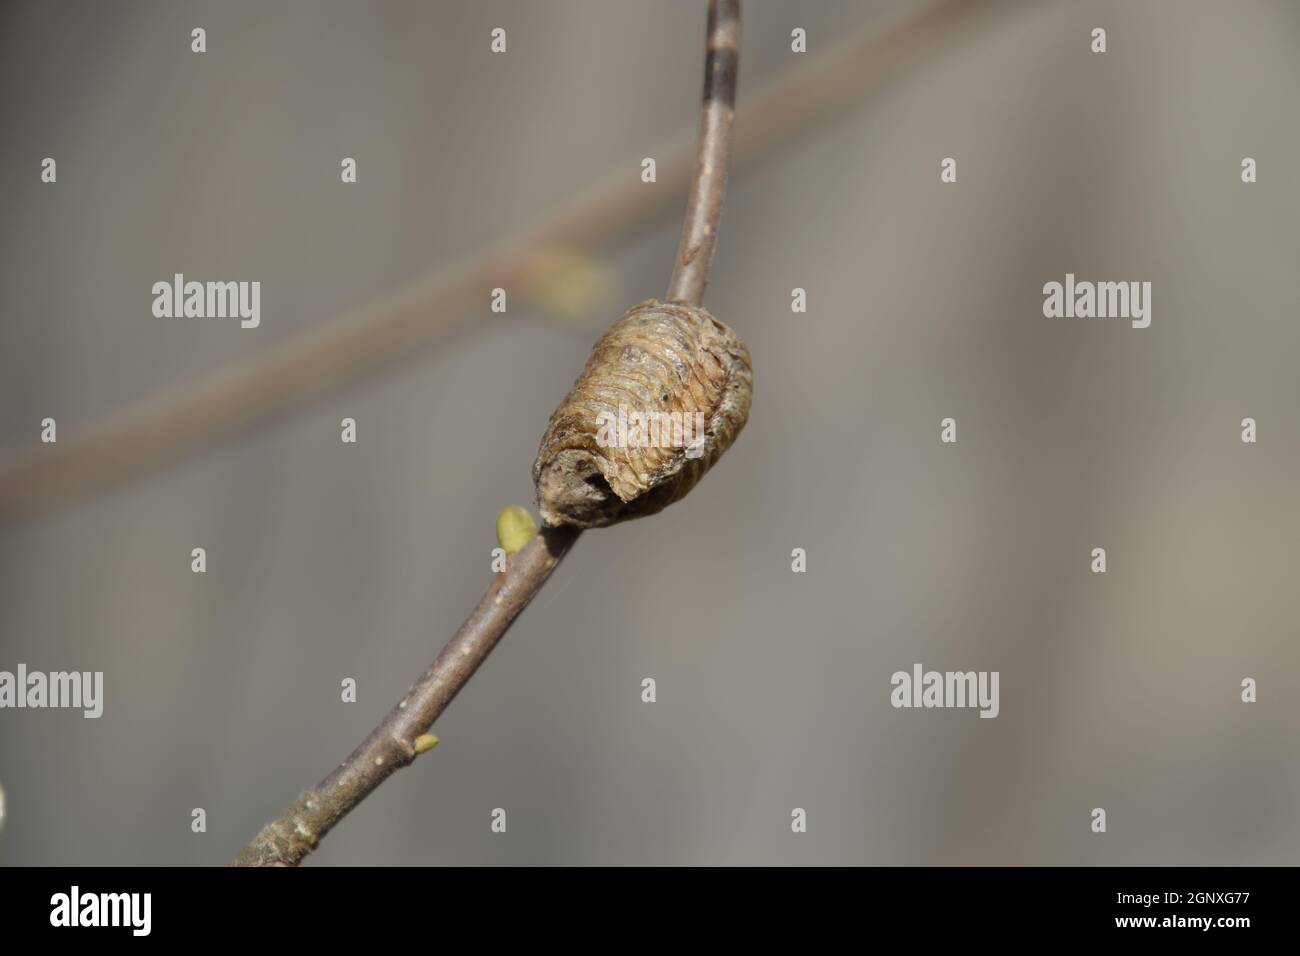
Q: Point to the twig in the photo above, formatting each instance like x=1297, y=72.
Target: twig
x=397, y=326
x=393, y=744
x=400, y=737
x=709, y=188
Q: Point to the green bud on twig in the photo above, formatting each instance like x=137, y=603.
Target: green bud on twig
x=515, y=528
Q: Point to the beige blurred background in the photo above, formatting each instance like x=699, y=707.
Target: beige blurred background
x=328, y=561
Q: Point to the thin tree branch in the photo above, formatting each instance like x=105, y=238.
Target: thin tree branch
x=192, y=416
x=709, y=188
x=395, y=743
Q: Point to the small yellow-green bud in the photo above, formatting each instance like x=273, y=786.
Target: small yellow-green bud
x=515, y=528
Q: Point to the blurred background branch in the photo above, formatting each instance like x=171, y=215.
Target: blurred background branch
x=192, y=416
